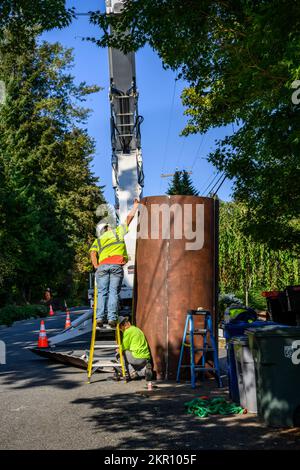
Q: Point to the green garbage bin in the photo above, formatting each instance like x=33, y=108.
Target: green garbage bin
x=276, y=354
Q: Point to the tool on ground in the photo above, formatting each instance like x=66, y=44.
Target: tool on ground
x=98, y=363
x=190, y=331
x=43, y=340
x=51, y=311
x=204, y=407
x=68, y=323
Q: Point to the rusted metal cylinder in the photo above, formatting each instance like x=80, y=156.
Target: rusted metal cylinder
x=174, y=272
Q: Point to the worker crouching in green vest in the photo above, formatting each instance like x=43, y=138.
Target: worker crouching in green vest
x=135, y=351
x=108, y=255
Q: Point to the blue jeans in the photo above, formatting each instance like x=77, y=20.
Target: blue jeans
x=109, y=279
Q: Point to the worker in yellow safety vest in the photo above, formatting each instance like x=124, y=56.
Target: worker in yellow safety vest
x=108, y=255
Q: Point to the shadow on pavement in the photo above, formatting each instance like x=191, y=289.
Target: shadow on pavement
x=159, y=420
x=23, y=369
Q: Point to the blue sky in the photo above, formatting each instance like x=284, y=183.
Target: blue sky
x=163, y=149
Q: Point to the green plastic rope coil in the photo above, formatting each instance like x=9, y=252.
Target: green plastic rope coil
x=204, y=407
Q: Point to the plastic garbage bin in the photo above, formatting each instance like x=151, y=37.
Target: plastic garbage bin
x=276, y=353
x=277, y=302
x=293, y=301
x=231, y=372
x=245, y=373
x=231, y=330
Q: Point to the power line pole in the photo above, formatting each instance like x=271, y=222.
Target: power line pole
x=168, y=175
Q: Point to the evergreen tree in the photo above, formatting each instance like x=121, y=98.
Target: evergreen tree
x=181, y=184
x=187, y=185
x=48, y=194
x=175, y=185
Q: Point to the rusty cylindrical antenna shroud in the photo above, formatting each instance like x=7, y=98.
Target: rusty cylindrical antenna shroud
x=171, y=279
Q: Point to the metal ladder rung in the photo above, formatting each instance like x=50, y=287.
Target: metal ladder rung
x=102, y=328
x=124, y=114
x=203, y=349
x=106, y=364
x=199, y=367
x=197, y=332
x=105, y=346
x=210, y=346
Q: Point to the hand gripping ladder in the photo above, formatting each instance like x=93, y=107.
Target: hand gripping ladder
x=189, y=330
x=98, y=363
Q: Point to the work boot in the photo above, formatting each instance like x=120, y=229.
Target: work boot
x=112, y=323
x=100, y=323
x=117, y=375
x=134, y=376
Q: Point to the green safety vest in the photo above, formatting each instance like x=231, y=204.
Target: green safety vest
x=111, y=243
x=134, y=341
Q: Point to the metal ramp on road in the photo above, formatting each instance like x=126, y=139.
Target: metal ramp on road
x=76, y=351
x=77, y=344
x=72, y=345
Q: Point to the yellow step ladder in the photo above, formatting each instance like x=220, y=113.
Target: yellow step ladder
x=93, y=365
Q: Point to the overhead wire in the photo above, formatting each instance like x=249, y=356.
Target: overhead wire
x=211, y=180
x=198, y=150
x=211, y=189
x=180, y=152
x=169, y=130
x=214, y=194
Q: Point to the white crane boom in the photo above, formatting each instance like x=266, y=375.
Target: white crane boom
x=127, y=164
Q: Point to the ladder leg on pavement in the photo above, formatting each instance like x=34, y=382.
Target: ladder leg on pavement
x=94, y=365
x=182, y=349
x=93, y=338
x=190, y=331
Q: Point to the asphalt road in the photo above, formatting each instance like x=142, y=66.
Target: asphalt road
x=44, y=405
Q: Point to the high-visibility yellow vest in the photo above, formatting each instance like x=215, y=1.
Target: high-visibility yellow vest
x=111, y=243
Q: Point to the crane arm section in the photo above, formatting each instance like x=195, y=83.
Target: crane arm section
x=127, y=163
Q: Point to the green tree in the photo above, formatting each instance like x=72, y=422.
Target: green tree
x=48, y=194
x=175, y=185
x=182, y=184
x=247, y=266
x=187, y=185
x=241, y=58
x=47, y=14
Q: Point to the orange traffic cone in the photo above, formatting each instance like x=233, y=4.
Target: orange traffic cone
x=43, y=340
x=68, y=320
x=51, y=311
